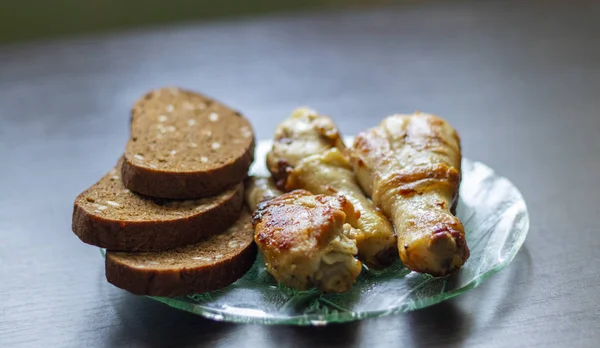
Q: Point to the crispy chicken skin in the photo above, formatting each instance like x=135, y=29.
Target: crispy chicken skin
x=302, y=134
x=308, y=154
x=410, y=165
x=302, y=238
x=330, y=173
x=259, y=189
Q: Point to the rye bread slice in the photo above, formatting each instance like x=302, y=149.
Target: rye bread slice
x=185, y=145
x=109, y=215
x=208, y=265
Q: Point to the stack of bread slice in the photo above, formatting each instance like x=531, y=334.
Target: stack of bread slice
x=170, y=213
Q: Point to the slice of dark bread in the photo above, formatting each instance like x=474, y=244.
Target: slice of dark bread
x=208, y=265
x=110, y=216
x=185, y=145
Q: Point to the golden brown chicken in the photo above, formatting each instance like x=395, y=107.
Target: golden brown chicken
x=330, y=173
x=410, y=165
x=302, y=238
x=307, y=154
x=303, y=134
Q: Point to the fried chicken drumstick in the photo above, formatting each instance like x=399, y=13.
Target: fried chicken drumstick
x=303, y=239
x=308, y=154
x=410, y=165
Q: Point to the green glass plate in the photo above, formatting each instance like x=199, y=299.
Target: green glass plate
x=496, y=223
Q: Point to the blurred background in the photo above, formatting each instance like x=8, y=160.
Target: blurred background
x=37, y=19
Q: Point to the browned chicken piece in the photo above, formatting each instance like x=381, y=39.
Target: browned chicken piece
x=307, y=154
x=302, y=238
x=303, y=134
x=259, y=189
x=410, y=164
x=330, y=173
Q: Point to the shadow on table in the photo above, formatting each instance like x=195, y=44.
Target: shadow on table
x=148, y=323
x=453, y=321
x=448, y=323
x=444, y=323
x=440, y=323
x=335, y=335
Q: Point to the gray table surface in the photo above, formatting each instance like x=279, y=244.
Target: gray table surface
x=519, y=80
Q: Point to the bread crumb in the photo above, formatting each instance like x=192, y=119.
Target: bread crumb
x=193, y=145
x=215, y=146
x=114, y=204
x=173, y=152
x=202, y=258
x=90, y=199
x=126, y=191
x=170, y=108
x=115, y=177
x=233, y=244
x=201, y=106
x=139, y=157
x=191, y=122
x=213, y=117
x=153, y=166
x=204, y=159
x=162, y=118
x=217, y=256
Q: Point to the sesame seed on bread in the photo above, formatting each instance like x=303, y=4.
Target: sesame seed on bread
x=185, y=145
x=109, y=215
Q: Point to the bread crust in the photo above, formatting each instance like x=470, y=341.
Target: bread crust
x=186, y=185
x=126, y=271
x=212, y=146
x=154, y=235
